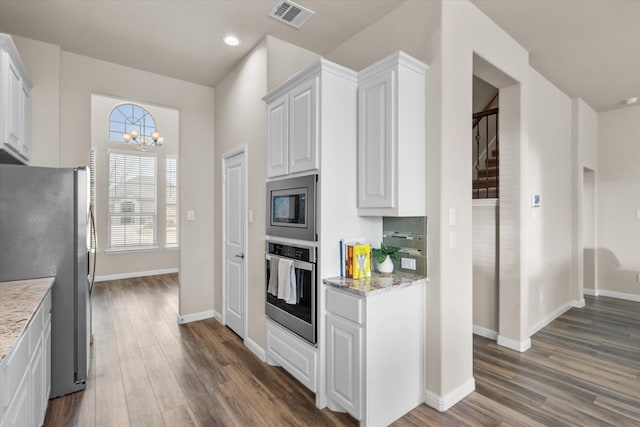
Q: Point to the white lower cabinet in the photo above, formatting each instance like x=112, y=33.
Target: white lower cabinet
x=19, y=410
x=295, y=355
x=26, y=373
x=344, y=364
x=375, y=353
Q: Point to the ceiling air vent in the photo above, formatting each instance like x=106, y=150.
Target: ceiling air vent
x=291, y=13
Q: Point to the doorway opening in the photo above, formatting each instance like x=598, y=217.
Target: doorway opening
x=588, y=232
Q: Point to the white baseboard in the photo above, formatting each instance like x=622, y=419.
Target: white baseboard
x=613, y=294
x=591, y=292
x=520, y=346
x=447, y=401
x=484, y=332
x=194, y=317
x=131, y=275
x=578, y=303
x=217, y=316
x=550, y=318
x=255, y=349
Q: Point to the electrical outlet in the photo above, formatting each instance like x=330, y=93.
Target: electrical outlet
x=408, y=263
x=452, y=240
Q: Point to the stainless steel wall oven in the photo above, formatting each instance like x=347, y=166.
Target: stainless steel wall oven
x=291, y=288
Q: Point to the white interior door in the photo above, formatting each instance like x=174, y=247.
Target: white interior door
x=234, y=231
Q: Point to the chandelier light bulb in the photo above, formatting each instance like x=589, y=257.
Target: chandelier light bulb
x=126, y=138
x=160, y=141
x=134, y=134
x=155, y=136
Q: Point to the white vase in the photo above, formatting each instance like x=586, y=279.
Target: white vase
x=385, y=268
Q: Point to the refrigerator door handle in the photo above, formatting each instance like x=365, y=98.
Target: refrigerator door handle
x=94, y=234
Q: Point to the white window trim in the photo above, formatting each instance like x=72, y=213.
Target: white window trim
x=177, y=244
x=145, y=248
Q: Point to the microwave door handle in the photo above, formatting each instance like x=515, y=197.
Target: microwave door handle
x=302, y=265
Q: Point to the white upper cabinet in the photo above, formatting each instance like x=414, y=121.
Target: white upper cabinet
x=303, y=154
x=278, y=136
x=391, y=137
x=15, y=104
x=295, y=121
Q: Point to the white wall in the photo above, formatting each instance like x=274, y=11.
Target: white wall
x=550, y=175
x=43, y=64
x=485, y=267
x=618, y=199
x=129, y=263
x=483, y=92
x=240, y=118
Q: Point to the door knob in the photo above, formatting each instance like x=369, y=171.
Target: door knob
x=240, y=255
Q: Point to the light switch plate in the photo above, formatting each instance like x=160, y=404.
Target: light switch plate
x=452, y=216
x=191, y=215
x=250, y=216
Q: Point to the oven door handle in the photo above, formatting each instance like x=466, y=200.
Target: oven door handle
x=302, y=265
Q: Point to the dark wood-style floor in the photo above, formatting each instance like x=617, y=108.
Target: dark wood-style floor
x=583, y=369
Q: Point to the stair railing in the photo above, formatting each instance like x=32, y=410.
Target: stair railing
x=486, y=178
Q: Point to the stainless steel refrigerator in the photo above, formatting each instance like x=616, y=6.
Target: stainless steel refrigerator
x=44, y=217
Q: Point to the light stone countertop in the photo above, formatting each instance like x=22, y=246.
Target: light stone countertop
x=376, y=284
x=19, y=301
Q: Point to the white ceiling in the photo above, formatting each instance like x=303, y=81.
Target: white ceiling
x=588, y=48
x=181, y=38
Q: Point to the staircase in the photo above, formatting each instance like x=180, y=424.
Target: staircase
x=486, y=170
x=487, y=183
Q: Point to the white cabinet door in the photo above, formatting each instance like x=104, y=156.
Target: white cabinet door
x=376, y=145
x=19, y=412
x=46, y=354
x=278, y=137
x=303, y=144
x=25, y=145
x=12, y=108
x=345, y=364
x=36, y=375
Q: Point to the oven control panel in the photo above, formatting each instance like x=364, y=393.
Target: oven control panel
x=294, y=252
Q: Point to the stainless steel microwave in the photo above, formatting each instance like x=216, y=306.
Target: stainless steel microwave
x=291, y=207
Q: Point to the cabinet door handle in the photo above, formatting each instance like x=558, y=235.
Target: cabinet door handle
x=240, y=255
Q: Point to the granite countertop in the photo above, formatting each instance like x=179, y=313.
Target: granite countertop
x=376, y=284
x=19, y=301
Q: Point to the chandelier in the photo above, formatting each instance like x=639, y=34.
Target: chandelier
x=142, y=142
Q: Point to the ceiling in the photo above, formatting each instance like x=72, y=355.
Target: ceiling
x=182, y=38
x=587, y=48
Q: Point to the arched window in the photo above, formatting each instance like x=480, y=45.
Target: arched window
x=127, y=117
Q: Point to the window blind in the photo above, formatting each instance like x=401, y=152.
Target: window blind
x=92, y=198
x=171, y=201
x=132, y=200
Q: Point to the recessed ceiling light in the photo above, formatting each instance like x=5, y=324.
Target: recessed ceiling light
x=232, y=41
x=632, y=100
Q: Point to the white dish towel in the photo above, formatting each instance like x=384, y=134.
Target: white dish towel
x=284, y=278
x=273, y=277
